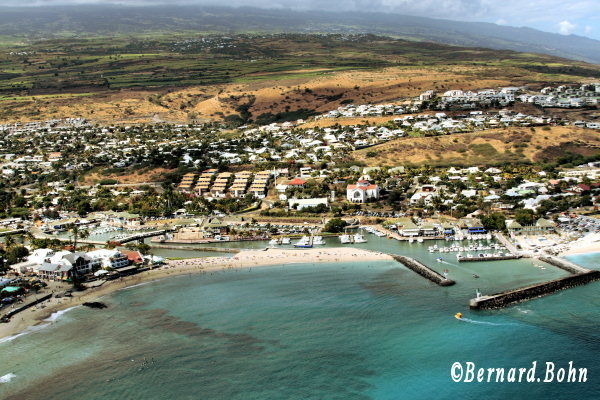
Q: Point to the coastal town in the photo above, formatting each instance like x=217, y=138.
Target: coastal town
x=285, y=185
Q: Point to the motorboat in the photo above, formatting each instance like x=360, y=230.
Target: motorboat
x=345, y=239
x=285, y=240
x=318, y=240
x=304, y=243
x=358, y=238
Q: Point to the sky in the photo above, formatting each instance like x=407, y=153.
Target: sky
x=579, y=17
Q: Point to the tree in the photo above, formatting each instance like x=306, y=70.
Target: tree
x=494, y=222
x=525, y=216
x=335, y=225
x=16, y=254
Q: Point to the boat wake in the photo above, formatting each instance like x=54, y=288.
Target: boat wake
x=472, y=321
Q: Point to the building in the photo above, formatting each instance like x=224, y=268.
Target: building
x=362, y=192
x=300, y=204
x=108, y=258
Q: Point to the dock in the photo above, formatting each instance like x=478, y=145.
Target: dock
x=491, y=258
x=423, y=270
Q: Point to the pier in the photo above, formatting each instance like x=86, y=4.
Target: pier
x=490, y=258
x=423, y=270
x=510, y=297
x=196, y=248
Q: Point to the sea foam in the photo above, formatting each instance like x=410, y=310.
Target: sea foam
x=7, y=378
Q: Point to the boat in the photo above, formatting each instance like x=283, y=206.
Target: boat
x=475, y=276
x=439, y=259
x=420, y=240
x=410, y=240
x=318, y=240
x=273, y=242
x=303, y=243
x=345, y=239
x=358, y=238
x=458, y=315
x=285, y=240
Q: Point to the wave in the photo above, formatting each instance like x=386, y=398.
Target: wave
x=136, y=285
x=56, y=315
x=7, y=378
x=27, y=331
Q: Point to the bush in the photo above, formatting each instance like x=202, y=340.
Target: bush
x=108, y=181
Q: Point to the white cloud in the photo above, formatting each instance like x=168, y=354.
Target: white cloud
x=566, y=28
x=589, y=29
x=502, y=21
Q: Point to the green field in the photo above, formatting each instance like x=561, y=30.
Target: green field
x=158, y=61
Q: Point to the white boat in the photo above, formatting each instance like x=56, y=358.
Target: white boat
x=410, y=240
x=304, y=242
x=273, y=242
x=420, y=240
x=358, y=238
x=345, y=239
x=318, y=240
x=286, y=240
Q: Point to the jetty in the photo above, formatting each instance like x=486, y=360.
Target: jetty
x=423, y=270
x=510, y=297
x=580, y=276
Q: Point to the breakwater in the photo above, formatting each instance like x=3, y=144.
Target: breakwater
x=423, y=270
x=504, y=299
x=564, y=264
x=8, y=315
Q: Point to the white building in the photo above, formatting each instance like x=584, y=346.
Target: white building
x=362, y=192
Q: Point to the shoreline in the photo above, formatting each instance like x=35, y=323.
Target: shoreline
x=27, y=320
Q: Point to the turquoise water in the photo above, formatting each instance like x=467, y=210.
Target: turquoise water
x=363, y=330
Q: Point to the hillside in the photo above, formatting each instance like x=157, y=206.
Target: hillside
x=248, y=78
x=492, y=147
x=93, y=20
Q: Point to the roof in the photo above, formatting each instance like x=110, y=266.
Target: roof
x=296, y=182
x=544, y=223
x=514, y=225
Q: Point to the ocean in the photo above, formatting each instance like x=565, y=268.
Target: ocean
x=361, y=330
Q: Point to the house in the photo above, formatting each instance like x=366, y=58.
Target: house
x=362, y=192
x=134, y=257
x=296, y=183
x=108, y=258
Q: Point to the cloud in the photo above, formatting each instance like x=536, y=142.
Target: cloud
x=588, y=29
x=566, y=28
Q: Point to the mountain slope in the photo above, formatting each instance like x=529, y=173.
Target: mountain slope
x=44, y=22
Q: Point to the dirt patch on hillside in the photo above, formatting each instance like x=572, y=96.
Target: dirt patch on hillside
x=494, y=147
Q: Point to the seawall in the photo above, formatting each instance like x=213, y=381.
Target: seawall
x=8, y=315
x=504, y=299
x=423, y=270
